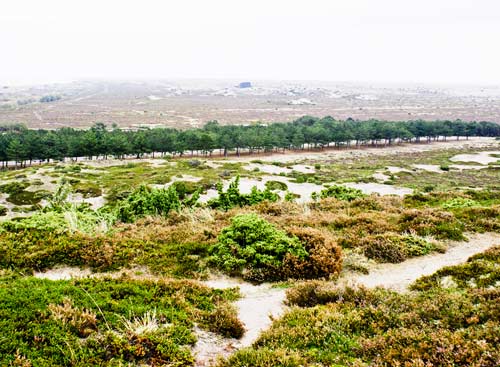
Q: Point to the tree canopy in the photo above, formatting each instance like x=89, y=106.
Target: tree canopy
x=19, y=144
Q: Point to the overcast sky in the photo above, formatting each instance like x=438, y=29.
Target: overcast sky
x=340, y=40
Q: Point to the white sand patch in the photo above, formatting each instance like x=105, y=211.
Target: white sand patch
x=211, y=346
x=257, y=307
x=303, y=168
x=63, y=273
x=95, y=202
x=212, y=164
x=379, y=176
x=480, y=157
x=381, y=189
x=187, y=178
x=257, y=304
x=267, y=168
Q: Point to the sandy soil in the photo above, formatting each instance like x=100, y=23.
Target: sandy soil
x=480, y=157
x=257, y=307
x=290, y=157
x=381, y=189
x=399, y=276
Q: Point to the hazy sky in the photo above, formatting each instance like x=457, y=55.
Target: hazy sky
x=340, y=40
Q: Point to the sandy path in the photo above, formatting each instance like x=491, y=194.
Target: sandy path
x=399, y=276
x=257, y=307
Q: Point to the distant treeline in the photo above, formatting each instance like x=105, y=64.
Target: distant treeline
x=20, y=144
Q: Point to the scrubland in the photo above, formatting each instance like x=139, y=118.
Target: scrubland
x=159, y=230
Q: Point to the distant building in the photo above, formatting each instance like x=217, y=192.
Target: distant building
x=245, y=85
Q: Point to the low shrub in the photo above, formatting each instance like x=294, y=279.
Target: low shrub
x=395, y=248
x=459, y=203
x=324, y=259
x=147, y=201
x=14, y=187
x=28, y=197
x=432, y=222
x=233, y=198
x=224, y=321
x=254, y=248
x=88, y=190
x=341, y=193
x=276, y=185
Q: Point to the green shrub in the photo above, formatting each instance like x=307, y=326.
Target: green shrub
x=3, y=210
x=185, y=188
x=291, y=196
x=13, y=187
x=429, y=188
x=28, y=197
x=254, y=248
x=341, y=193
x=146, y=201
x=276, y=185
x=459, y=203
x=232, y=197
